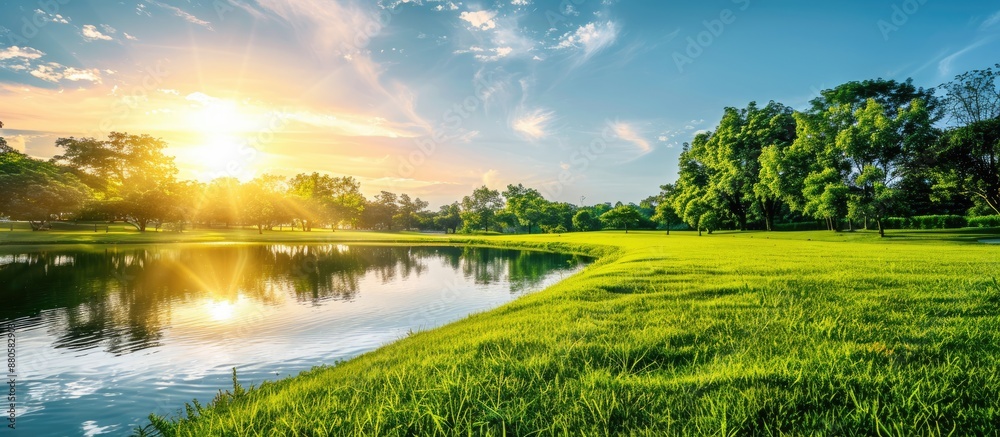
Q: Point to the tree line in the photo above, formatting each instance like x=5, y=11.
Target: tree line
x=129, y=178
x=862, y=153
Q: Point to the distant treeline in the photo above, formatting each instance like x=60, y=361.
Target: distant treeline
x=871, y=154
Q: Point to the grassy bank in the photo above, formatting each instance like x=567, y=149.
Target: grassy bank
x=802, y=333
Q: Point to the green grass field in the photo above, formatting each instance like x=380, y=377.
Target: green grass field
x=806, y=333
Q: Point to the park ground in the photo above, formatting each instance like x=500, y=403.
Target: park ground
x=804, y=333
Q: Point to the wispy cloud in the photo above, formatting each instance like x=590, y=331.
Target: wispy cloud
x=626, y=132
x=532, y=124
x=590, y=38
x=990, y=21
x=944, y=66
x=187, y=16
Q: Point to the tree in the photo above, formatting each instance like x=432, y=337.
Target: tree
x=621, y=217
x=120, y=163
x=347, y=203
x=692, y=202
x=310, y=197
x=379, y=212
x=556, y=217
x=584, y=221
x=664, y=211
x=526, y=204
x=262, y=202
x=973, y=96
x=856, y=144
x=131, y=171
x=221, y=201
x=449, y=217
x=37, y=191
x=408, y=214
x=480, y=209
x=969, y=162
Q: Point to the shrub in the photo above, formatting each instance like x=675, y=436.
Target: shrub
x=925, y=222
x=986, y=221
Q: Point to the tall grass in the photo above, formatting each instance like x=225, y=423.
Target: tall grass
x=678, y=335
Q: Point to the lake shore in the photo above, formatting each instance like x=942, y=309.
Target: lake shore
x=735, y=332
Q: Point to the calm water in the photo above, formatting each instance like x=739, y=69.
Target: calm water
x=106, y=336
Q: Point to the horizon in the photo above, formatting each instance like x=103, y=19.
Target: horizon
x=580, y=99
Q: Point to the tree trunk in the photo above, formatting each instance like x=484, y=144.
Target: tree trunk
x=260, y=229
x=881, y=230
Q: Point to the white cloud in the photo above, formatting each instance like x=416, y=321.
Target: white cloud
x=482, y=20
x=129, y=37
x=990, y=21
x=14, y=52
x=626, y=132
x=52, y=18
x=181, y=13
x=591, y=38
x=532, y=124
x=54, y=72
x=90, y=75
x=520, y=2
x=450, y=6
x=109, y=29
x=90, y=33
x=497, y=54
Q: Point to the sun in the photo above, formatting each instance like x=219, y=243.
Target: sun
x=219, y=116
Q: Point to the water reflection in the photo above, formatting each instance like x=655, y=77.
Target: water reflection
x=122, y=299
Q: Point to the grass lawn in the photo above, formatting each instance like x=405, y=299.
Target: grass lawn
x=732, y=333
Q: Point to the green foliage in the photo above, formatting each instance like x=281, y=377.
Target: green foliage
x=927, y=222
x=584, y=220
x=969, y=162
x=624, y=216
x=989, y=221
x=37, y=191
x=481, y=208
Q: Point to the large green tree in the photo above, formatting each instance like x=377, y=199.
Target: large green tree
x=622, y=216
x=480, y=209
x=526, y=204
x=449, y=217
x=37, y=191
x=969, y=162
x=263, y=202
x=129, y=171
x=852, y=149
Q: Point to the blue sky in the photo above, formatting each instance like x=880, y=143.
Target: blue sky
x=433, y=98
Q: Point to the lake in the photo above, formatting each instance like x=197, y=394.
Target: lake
x=106, y=336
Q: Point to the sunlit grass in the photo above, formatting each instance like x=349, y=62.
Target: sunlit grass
x=781, y=333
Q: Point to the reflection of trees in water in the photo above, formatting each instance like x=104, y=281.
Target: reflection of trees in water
x=121, y=299
x=523, y=269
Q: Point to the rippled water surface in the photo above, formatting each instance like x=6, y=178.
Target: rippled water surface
x=106, y=336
